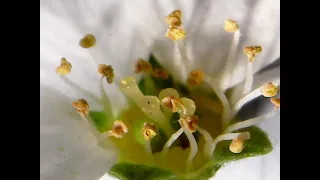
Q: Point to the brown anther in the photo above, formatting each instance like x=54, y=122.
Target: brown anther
x=64, y=68
x=174, y=18
x=87, y=41
x=143, y=66
x=106, y=71
x=171, y=103
x=251, y=52
x=81, y=106
x=175, y=33
x=148, y=131
x=276, y=102
x=269, y=90
x=160, y=73
x=230, y=26
x=191, y=123
x=195, y=77
x=118, y=129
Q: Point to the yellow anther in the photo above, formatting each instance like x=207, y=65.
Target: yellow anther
x=237, y=145
x=148, y=131
x=160, y=73
x=64, y=68
x=174, y=18
x=118, y=129
x=276, y=102
x=195, y=78
x=88, y=41
x=175, y=33
x=230, y=26
x=190, y=123
x=106, y=71
x=171, y=103
x=81, y=106
x=251, y=52
x=143, y=66
x=269, y=90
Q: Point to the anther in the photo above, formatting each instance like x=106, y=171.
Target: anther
x=175, y=33
x=196, y=77
x=81, y=106
x=64, y=68
x=269, y=90
x=160, y=73
x=143, y=66
x=87, y=41
x=276, y=102
x=174, y=18
x=230, y=26
x=106, y=71
x=251, y=52
x=148, y=131
x=118, y=129
x=190, y=123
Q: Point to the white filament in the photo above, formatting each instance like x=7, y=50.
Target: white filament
x=193, y=148
x=207, y=138
x=250, y=122
x=173, y=138
x=254, y=94
x=249, y=80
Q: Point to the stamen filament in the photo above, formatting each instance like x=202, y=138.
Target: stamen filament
x=88, y=120
x=249, y=80
x=207, y=138
x=230, y=60
x=83, y=91
x=105, y=100
x=225, y=137
x=250, y=122
x=226, y=106
x=254, y=94
x=179, y=62
x=170, y=141
x=193, y=148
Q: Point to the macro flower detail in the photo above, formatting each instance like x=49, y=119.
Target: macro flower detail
x=180, y=124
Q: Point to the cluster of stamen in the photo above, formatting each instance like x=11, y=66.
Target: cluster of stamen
x=170, y=100
x=174, y=31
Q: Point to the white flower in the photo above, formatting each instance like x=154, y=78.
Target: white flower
x=127, y=31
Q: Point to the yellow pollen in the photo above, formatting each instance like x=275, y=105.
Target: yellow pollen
x=251, y=52
x=191, y=123
x=148, y=131
x=64, y=68
x=81, y=106
x=106, y=71
x=175, y=33
x=230, y=26
x=195, y=78
x=174, y=18
x=269, y=90
x=143, y=66
x=276, y=102
x=87, y=41
x=118, y=129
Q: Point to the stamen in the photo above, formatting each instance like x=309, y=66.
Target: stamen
x=118, y=129
x=276, y=102
x=81, y=106
x=237, y=144
x=195, y=78
x=230, y=26
x=250, y=122
x=170, y=141
x=269, y=90
x=148, y=131
x=87, y=41
x=83, y=91
x=64, y=68
x=250, y=51
x=143, y=66
x=193, y=148
x=225, y=137
x=105, y=100
x=106, y=71
x=227, y=113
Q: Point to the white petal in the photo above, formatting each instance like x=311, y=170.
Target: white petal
x=67, y=148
